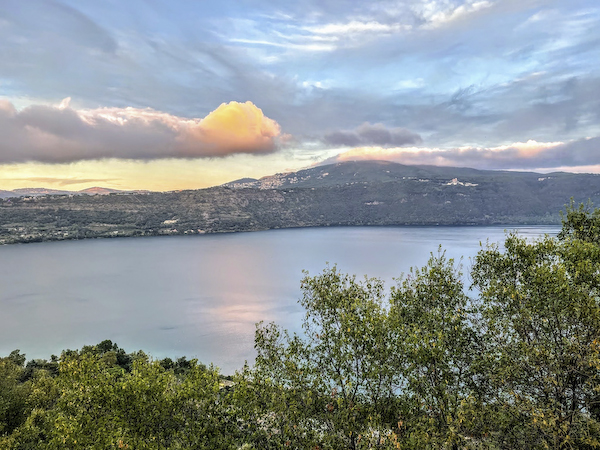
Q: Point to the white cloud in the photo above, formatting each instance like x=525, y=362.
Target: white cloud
x=357, y=27
x=314, y=47
x=437, y=13
x=410, y=84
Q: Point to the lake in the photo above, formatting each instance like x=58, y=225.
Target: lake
x=197, y=296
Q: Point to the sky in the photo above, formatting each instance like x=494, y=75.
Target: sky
x=168, y=95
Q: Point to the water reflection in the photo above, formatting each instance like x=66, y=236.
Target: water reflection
x=198, y=296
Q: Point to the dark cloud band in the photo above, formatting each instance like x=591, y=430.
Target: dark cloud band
x=368, y=134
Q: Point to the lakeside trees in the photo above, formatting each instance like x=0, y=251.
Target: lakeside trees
x=512, y=363
x=540, y=304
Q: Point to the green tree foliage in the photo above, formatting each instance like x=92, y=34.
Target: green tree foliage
x=102, y=405
x=26, y=396
x=13, y=393
x=436, y=347
x=338, y=384
x=581, y=223
x=96, y=403
x=371, y=371
x=541, y=309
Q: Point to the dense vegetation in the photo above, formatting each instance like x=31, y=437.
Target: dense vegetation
x=345, y=194
x=513, y=363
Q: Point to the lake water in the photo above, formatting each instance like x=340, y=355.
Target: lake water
x=197, y=296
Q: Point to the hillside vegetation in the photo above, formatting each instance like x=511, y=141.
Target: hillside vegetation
x=345, y=194
x=513, y=365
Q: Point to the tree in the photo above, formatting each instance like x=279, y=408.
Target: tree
x=105, y=398
x=336, y=387
x=436, y=348
x=13, y=393
x=371, y=370
x=581, y=223
x=26, y=396
x=104, y=406
x=541, y=307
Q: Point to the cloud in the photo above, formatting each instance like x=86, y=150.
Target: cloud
x=372, y=134
x=62, y=134
x=62, y=181
x=357, y=27
x=309, y=47
x=62, y=24
x=471, y=75
x=411, y=17
x=520, y=155
x=435, y=16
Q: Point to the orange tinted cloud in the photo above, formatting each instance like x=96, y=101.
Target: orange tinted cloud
x=234, y=128
x=62, y=134
x=413, y=155
x=519, y=155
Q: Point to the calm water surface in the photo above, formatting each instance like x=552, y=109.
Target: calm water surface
x=198, y=296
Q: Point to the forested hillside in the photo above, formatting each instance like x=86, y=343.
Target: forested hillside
x=345, y=194
x=515, y=364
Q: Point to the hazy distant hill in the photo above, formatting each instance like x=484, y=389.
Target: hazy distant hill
x=40, y=191
x=243, y=183
x=98, y=191
x=7, y=194
x=36, y=192
x=351, y=193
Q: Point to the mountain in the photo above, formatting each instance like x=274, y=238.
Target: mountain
x=98, y=191
x=365, y=193
x=242, y=183
x=374, y=172
x=39, y=191
x=7, y=194
x=354, y=172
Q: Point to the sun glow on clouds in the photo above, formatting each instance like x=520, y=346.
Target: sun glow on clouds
x=235, y=128
x=528, y=155
x=134, y=148
x=155, y=175
x=62, y=134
